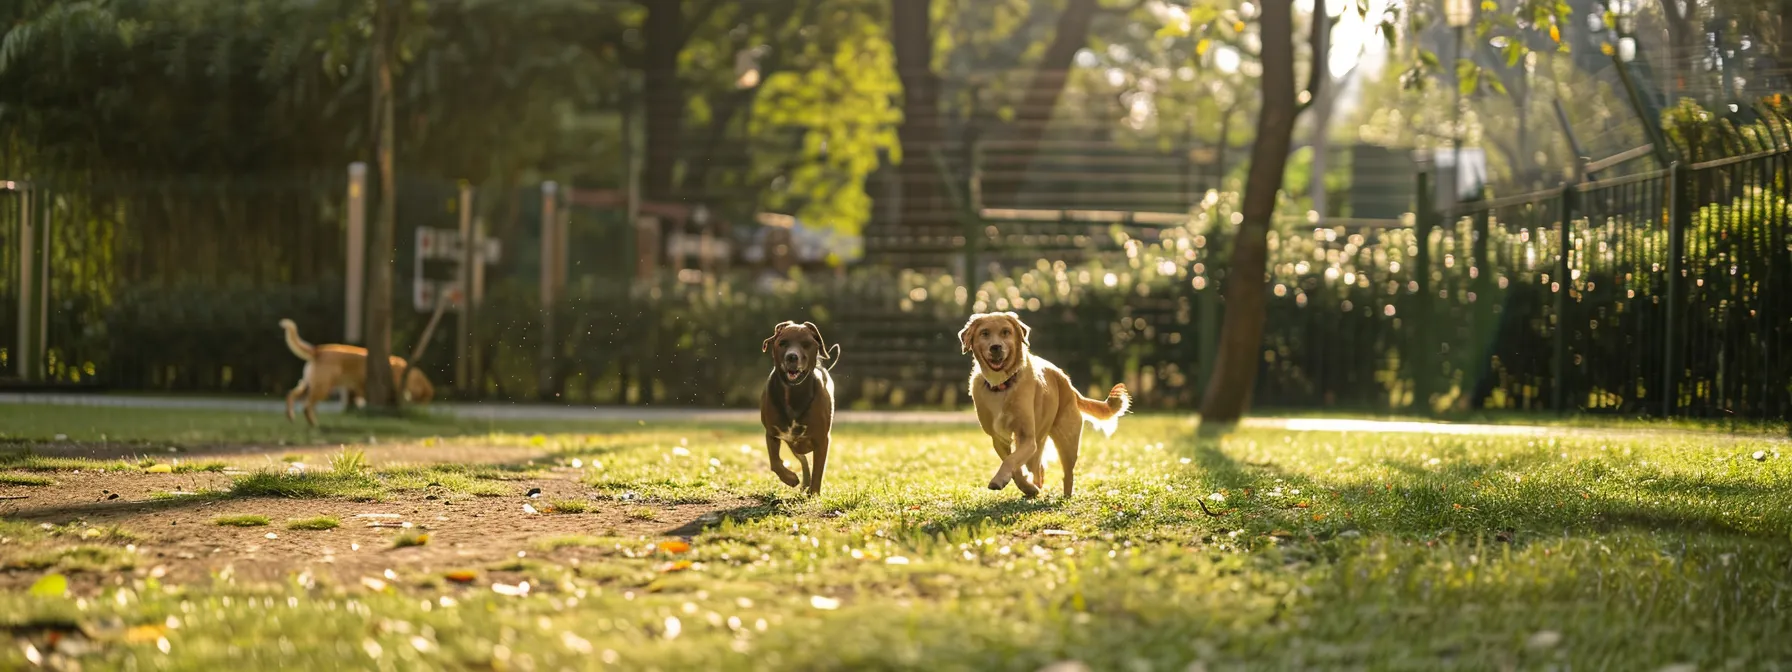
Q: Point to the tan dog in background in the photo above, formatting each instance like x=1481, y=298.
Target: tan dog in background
x=1023, y=400
x=332, y=365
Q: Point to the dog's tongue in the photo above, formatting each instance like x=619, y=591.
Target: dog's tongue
x=996, y=366
x=793, y=375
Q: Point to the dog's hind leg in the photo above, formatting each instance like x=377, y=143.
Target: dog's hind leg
x=317, y=394
x=1067, y=441
x=821, y=464
x=1036, y=467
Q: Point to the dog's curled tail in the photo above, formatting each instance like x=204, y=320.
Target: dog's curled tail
x=297, y=345
x=1105, y=415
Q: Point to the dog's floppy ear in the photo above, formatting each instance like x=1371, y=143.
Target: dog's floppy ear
x=767, y=345
x=819, y=342
x=964, y=335
x=1020, y=326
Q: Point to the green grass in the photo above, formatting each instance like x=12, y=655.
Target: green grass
x=20, y=423
x=308, y=485
x=243, y=520
x=25, y=479
x=409, y=539
x=1328, y=551
x=314, y=524
x=569, y=506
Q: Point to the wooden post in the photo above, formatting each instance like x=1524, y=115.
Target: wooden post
x=355, y=275
x=471, y=255
x=551, y=257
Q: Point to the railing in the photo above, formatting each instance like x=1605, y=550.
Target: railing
x=1661, y=293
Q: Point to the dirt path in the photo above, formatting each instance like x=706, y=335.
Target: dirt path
x=177, y=540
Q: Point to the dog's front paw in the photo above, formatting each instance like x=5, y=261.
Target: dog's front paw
x=1027, y=489
x=788, y=477
x=999, y=482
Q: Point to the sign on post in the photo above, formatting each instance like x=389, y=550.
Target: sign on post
x=439, y=255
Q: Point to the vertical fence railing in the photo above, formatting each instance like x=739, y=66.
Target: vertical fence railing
x=1656, y=293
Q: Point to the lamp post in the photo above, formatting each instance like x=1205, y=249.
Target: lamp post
x=1457, y=14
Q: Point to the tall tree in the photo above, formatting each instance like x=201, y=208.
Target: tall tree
x=1236, y=358
x=380, y=251
x=1238, y=355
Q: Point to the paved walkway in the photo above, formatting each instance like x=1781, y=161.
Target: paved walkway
x=521, y=411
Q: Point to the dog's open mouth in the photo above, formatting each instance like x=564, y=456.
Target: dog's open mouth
x=793, y=373
x=996, y=360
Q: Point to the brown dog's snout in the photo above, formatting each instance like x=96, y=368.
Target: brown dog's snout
x=790, y=357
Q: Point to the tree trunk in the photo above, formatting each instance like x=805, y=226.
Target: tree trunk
x=1034, y=115
x=923, y=129
x=665, y=31
x=380, y=391
x=1238, y=356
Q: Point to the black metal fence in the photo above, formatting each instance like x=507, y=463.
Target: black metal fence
x=1658, y=293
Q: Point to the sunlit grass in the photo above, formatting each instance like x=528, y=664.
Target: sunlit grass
x=318, y=523
x=1318, y=550
x=241, y=520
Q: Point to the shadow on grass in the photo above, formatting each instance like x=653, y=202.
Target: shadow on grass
x=766, y=507
x=1525, y=493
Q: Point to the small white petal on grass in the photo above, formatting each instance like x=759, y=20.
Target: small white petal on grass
x=681, y=451
x=420, y=644
x=271, y=535
x=895, y=560
x=1216, y=497
x=518, y=590
x=372, y=648
x=823, y=603
x=529, y=509
x=673, y=627
x=373, y=583
x=1544, y=639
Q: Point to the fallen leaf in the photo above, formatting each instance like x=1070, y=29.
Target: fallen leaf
x=674, y=546
x=462, y=576
x=51, y=585
x=678, y=566
x=143, y=634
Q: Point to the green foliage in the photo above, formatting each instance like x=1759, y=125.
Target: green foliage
x=244, y=520
x=314, y=524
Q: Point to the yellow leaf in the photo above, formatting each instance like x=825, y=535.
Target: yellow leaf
x=1606, y=49
x=51, y=585
x=1555, y=34
x=160, y=469
x=1201, y=47
x=674, y=546
x=462, y=576
x=1238, y=26
x=679, y=566
x=144, y=634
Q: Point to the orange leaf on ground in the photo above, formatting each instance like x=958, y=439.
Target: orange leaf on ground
x=462, y=576
x=674, y=546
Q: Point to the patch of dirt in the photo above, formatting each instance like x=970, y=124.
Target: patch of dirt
x=177, y=541
x=258, y=455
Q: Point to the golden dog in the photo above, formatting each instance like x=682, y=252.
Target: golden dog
x=1023, y=400
x=331, y=365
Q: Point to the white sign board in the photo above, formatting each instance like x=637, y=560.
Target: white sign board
x=442, y=245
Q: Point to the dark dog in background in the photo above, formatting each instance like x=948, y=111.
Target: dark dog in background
x=797, y=407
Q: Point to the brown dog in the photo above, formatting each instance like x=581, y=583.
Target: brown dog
x=330, y=366
x=797, y=406
x=1023, y=400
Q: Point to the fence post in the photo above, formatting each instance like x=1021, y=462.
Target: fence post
x=1419, y=344
x=355, y=278
x=1563, y=279
x=1481, y=288
x=470, y=255
x=28, y=356
x=551, y=254
x=1679, y=217
x=973, y=213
